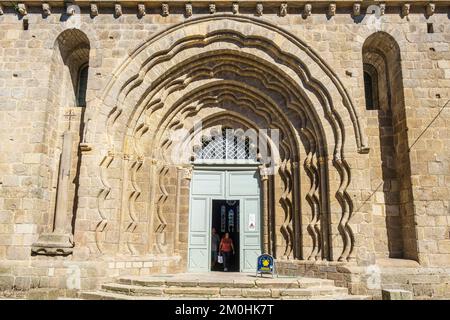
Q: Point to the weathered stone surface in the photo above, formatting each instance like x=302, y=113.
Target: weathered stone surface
x=392, y=294
x=372, y=177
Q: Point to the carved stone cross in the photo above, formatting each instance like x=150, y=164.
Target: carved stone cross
x=70, y=115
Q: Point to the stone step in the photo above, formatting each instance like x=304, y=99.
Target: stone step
x=314, y=291
x=221, y=283
x=134, y=290
x=105, y=295
x=220, y=286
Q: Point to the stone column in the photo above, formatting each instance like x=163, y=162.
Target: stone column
x=60, y=240
x=265, y=208
x=176, y=230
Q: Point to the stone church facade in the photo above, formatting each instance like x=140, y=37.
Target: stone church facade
x=92, y=91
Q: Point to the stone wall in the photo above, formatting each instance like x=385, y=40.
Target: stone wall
x=423, y=283
x=34, y=100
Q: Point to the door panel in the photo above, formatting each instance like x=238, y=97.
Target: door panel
x=198, y=234
x=243, y=183
x=251, y=233
x=208, y=183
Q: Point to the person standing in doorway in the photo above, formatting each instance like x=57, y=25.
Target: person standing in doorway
x=215, y=241
x=226, y=248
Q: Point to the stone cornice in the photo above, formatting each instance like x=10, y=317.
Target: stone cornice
x=153, y=3
x=164, y=7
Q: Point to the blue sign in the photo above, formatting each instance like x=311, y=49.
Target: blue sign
x=265, y=264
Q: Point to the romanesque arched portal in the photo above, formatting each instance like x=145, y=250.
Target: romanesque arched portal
x=223, y=71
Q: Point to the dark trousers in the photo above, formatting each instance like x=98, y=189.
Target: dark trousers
x=226, y=260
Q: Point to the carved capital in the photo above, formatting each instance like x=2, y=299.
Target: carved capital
x=431, y=7
x=188, y=9
x=70, y=10
x=212, y=8
x=117, y=10
x=94, y=10
x=165, y=9
x=332, y=9
x=187, y=173
x=283, y=9
x=259, y=9
x=235, y=8
x=22, y=9
x=46, y=9
x=382, y=9
x=307, y=10
x=405, y=9
x=141, y=9
x=356, y=9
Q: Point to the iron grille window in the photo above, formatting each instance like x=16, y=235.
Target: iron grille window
x=226, y=146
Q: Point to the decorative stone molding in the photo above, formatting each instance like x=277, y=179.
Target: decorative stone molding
x=22, y=9
x=283, y=9
x=382, y=9
x=188, y=9
x=212, y=8
x=356, y=9
x=405, y=9
x=259, y=9
x=141, y=9
x=165, y=9
x=332, y=9
x=431, y=7
x=307, y=10
x=94, y=9
x=46, y=9
x=235, y=8
x=117, y=10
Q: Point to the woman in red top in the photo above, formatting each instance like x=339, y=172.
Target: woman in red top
x=226, y=247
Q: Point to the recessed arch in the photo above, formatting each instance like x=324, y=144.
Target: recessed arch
x=198, y=68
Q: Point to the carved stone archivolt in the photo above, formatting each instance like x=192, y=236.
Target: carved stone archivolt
x=233, y=76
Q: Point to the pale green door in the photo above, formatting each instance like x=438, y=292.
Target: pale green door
x=245, y=186
x=224, y=184
x=206, y=185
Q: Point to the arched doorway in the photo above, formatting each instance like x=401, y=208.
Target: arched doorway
x=225, y=197
x=239, y=73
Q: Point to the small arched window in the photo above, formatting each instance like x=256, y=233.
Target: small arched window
x=371, y=87
x=82, y=86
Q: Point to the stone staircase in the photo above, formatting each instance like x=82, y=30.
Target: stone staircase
x=218, y=285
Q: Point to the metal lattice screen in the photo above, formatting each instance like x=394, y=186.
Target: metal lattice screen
x=226, y=146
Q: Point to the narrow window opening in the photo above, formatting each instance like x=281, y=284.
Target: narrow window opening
x=82, y=86
x=430, y=28
x=368, y=90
